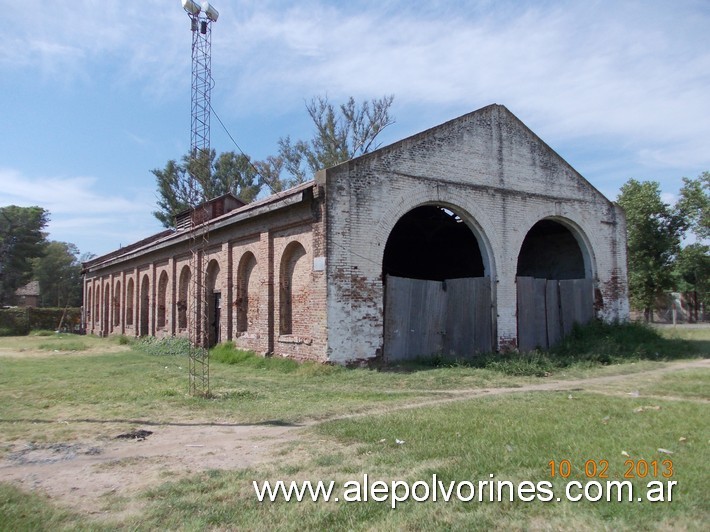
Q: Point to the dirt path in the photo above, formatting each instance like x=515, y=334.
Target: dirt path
x=90, y=475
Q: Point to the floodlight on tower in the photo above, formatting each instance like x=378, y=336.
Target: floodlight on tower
x=193, y=8
x=209, y=10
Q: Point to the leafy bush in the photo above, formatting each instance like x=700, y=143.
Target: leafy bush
x=14, y=321
x=123, y=340
x=228, y=354
x=594, y=344
x=605, y=343
x=169, y=346
x=43, y=332
x=20, y=321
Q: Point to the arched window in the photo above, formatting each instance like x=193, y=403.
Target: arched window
x=105, y=323
x=144, y=301
x=97, y=305
x=129, y=302
x=117, y=304
x=293, y=289
x=213, y=300
x=162, y=299
x=183, y=291
x=551, y=251
x=247, y=293
x=88, y=306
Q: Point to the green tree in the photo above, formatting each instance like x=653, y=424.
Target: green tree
x=194, y=180
x=692, y=268
x=654, y=231
x=694, y=204
x=340, y=134
x=59, y=274
x=21, y=240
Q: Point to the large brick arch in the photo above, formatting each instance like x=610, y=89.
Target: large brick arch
x=475, y=219
x=575, y=227
x=162, y=303
x=130, y=301
x=247, y=293
x=213, y=289
x=183, y=303
x=89, y=308
x=144, y=301
x=117, y=297
x=293, y=289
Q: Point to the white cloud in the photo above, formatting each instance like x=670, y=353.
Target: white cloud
x=629, y=78
x=79, y=212
x=636, y=72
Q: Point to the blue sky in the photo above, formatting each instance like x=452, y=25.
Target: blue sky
x=96, y=93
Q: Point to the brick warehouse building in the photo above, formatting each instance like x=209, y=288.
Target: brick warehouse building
x=471, y=236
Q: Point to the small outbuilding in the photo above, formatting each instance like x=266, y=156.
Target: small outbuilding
x=473, y=236
x=28, y=295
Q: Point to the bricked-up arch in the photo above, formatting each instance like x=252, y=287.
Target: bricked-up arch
x=438, y=299
x=293, y=289
x=247, y=293
x=213, y=300
x=130, y=297
x=432, y=243
x=105, y=324
x=89, y=302
x=183, y=291
x=144, y=305
x=162, y=300
x=97, y=305
x=117, y=304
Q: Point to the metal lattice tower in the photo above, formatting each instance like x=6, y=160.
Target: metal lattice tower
x=201, y=86
x=201, y=18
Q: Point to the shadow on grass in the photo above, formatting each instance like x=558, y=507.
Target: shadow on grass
x=595, y=344
x=269, y=423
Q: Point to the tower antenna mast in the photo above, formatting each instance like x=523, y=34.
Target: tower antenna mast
x=201, y=18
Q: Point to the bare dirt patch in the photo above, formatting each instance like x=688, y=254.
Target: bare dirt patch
x=87, y=475
x=102, y=476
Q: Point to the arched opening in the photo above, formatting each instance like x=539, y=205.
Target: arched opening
x=432, y=243
x=162, y=300
x=97, y=306
x=247, y=293
x=213, y=301
x=183, y=291
x=294, y=280
x=551, y=251
x=438, y=298
x=144, y=329
x=105, y=323
x=88, y=307
x=117, y=304
x=554, y=284
x=130, y=296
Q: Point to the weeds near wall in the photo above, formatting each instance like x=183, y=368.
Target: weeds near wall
x=592, y=345
x=171, y=346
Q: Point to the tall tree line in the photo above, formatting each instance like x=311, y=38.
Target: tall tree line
x=667, y=244
x=26, y=254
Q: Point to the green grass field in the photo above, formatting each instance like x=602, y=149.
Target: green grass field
x=99, y=387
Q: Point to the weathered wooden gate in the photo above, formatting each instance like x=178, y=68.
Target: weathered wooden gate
x=548, y=308
x=450, y=318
